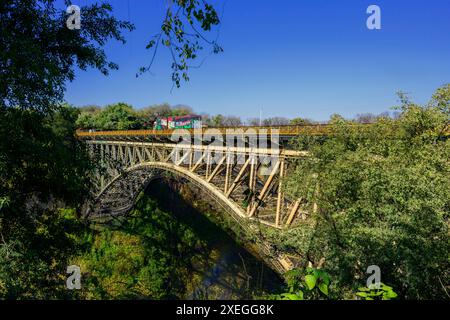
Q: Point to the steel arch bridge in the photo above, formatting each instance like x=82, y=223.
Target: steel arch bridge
x=246, y=182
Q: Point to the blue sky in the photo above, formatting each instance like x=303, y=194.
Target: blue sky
x=289, y=57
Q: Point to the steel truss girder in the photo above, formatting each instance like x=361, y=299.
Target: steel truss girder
x=236, y=171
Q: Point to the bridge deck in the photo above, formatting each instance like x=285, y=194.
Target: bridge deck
x=283, y=131
x=286, y=132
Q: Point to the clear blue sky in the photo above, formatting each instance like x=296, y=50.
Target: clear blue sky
x=289, y=57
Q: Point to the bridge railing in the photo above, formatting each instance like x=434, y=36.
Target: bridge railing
x=280, y=130
x=284, y=130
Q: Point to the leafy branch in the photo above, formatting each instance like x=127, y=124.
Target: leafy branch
x=381, y=292
x=181, y=33
x=314, y=284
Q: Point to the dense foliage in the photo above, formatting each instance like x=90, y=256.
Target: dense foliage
x=38, y=52
x=309, y=284
x=148, y=255
x=383, y=193
x=43, y=168
x=121, y=116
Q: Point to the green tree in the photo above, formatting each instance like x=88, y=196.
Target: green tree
x=87, y=121
x=383, y=193
x=441, y=99
x=119, y=116
x=39, y=53
x=165, y=110
x=300, y=121
x=217, y=120
x=275, y=121
x=88, y=117
x=42, y=166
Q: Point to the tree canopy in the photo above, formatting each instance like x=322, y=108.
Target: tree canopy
x=38, y=53
x=383, y=193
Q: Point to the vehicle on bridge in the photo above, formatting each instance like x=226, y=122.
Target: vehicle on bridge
x=192, y=121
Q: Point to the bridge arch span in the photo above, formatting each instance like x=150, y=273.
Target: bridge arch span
x=119, y=195
x=246, y=182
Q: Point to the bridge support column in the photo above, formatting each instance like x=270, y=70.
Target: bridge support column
x=280, y=193
x=238, y=178
x=208, y=164
x=266, y=188
x=191, y=159
x=252, y=183
x=227, y=172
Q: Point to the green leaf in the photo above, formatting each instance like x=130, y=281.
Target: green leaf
x=375, y=286
x=292, y=296
x=363, y=289
x=299, y=295
x=325, y=278
x=391, y=294
x=310, y=281
x=385, y=287
x=361, y=294
x=323, y=288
